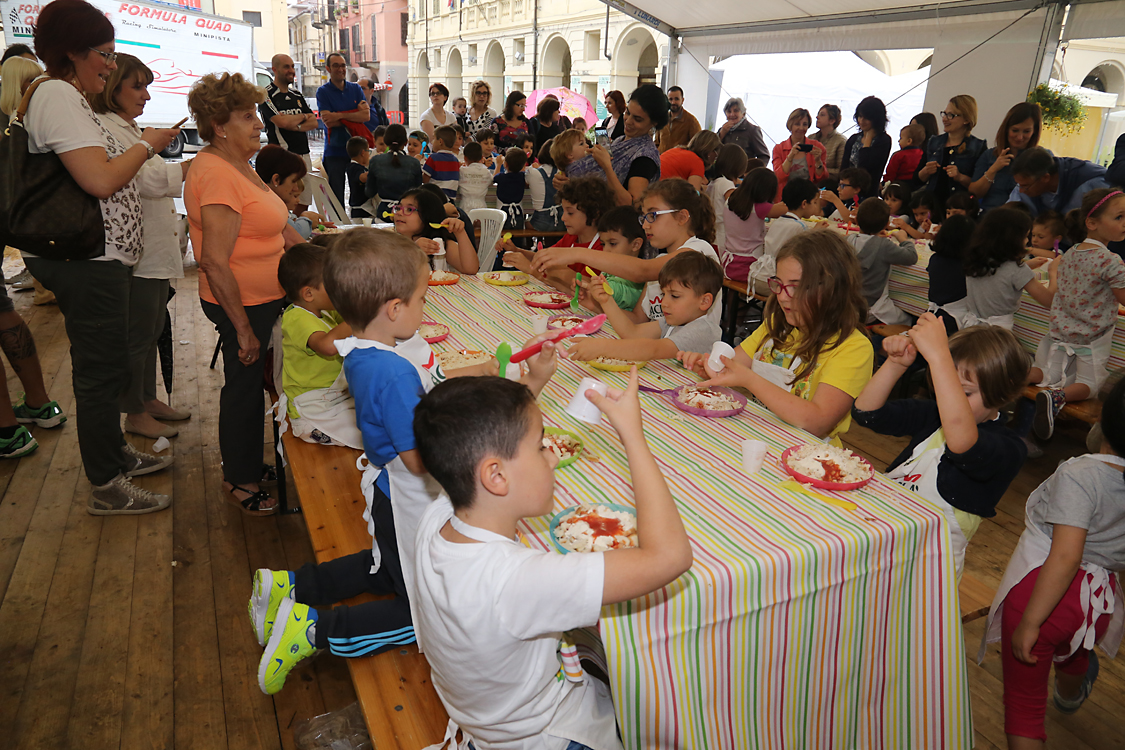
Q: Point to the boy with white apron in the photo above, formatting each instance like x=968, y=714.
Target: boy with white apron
x=1099, y=596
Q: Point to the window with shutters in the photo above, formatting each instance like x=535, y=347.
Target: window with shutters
x=357, y=45
x=252, y=17
x=344, y=38
x=404, y=19
x=374, y=40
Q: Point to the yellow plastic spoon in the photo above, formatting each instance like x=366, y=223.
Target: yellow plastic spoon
x=605, y=285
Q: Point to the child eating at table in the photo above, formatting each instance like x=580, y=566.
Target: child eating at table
x=510, y=187
x=995, y=274
x=744, y=220
x=690, y=282
x=1048, y=233
x=487, y=140
x=315, y=400
x=443, y=167
x=800, y=197
x=1059, y=596
x=811, y=357
x=853, y=182
x=923, y=207
x=876, y=256
x=961, y=203
x=474, y=179
x=897, y=197
x=421, y=217
x=961, y=455
x=1070, y=363
x=496, y=668
x=379, y=282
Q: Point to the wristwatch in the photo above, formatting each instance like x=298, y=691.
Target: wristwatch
x=149, y=148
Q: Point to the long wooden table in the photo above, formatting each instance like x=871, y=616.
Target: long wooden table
x=800, y=624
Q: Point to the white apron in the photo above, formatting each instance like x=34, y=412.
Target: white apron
x=1000, y=321
x=958, y=310
x=330, y=410
x=885, y=311
x=919, y=474
x=410, y=494
x=1100, y=590
x=1061, y=355
x=782, y=377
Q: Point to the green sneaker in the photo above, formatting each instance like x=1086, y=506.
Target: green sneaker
x=20, y=444
x=271, y=588
x=47, y=415
x=288, y=645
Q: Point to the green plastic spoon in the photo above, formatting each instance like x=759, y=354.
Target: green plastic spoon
x=503, y=355
x=574, y=300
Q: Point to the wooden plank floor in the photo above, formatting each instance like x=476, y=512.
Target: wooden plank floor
x=132, y=632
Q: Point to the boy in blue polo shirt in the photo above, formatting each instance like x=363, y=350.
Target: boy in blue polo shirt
x=443, y=168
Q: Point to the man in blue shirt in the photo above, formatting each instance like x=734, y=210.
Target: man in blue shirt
x=378, y=114
x=1057, y=183
x=339, y=101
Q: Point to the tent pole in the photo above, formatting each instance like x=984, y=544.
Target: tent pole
x=673, y=61
x=1048, y=45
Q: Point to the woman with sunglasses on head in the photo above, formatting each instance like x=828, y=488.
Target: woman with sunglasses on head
x=811, y=357
x=480, y=114
x=952, y=156
x=421, y=216
x=437, y=115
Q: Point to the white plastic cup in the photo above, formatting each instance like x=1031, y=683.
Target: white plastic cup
x=581, y=408
x=513, y=370
x=719, y=349
x=539, y=324
x=366, y=222
x=753, y=454
x=439, y=261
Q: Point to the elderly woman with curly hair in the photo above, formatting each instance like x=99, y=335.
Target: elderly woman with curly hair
x=75, y=41
x=239, y=232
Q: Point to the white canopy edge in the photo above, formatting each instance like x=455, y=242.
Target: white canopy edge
x=1089, y=97
x=1095, y=20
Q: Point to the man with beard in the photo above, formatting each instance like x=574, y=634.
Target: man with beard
x=681, y=126
x=288, y=117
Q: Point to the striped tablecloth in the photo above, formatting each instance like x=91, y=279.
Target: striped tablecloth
x=800, y=624
x=909, y=286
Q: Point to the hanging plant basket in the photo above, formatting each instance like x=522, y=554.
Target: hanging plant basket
x=1062, y=112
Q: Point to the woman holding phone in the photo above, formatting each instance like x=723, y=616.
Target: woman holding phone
x=798, y=155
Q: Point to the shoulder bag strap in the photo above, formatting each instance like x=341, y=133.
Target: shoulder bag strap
x=26, y=101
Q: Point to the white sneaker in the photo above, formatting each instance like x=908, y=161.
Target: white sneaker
x=22, y=281
x=119, y=496
x=145, y=463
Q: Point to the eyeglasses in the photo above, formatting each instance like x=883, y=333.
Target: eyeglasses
x=949, y=115
x=434, y=93
x=777, y=287
x=843, y=185
x=109, y=57
x=651, y=215
x=482, y=92
x=398, y=208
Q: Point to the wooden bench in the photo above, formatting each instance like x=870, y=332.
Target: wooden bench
x=399, y=703
x=1088, y=411
x=975, y=597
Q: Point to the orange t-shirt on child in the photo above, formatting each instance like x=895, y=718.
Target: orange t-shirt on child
x=212, y=181
x=680, y=162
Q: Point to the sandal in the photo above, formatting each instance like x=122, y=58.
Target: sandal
x=252, y=506
x=269, y=476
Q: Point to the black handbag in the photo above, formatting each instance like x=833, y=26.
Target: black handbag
x=43, y=211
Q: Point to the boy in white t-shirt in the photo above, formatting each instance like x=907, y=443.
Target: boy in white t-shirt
x=489, y=611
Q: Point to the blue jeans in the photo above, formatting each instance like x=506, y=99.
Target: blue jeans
x=335, y=169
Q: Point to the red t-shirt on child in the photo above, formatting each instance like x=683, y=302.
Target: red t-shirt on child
x=902, y=165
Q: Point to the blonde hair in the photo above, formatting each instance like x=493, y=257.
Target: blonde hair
x=796, y=116
x=127, y=67
x=214, y=98
x=997, y=360
x=16, y=73
x=967, y=106
x=561, y=146
x=484, y=85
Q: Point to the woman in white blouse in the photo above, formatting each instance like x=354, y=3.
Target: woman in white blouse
x=437, y=115
x=120, y=104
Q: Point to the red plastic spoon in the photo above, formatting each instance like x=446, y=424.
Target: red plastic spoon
x=588, y=326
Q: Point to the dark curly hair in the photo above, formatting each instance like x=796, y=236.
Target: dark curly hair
x=1000, y=236
x=872, y=109
x=590, y=195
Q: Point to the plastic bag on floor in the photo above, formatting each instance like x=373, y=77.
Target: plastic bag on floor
x=336, y=730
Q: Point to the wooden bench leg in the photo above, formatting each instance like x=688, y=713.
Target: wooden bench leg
x=283, y=508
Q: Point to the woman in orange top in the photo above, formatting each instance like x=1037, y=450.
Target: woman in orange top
x=798, y=156
x=239, y=233
x=689, y=162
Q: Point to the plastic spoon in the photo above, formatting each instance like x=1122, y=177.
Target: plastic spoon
x=581, y=329
x=605, y=284
x=574, y=299
x=435, y=226
x=503, y=356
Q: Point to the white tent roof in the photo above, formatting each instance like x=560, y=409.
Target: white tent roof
x=774, y=85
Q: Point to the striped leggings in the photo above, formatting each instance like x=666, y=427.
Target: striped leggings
x=371, y=627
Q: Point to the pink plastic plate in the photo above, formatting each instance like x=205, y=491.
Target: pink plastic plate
x=551, y=321
x=711, y=413
x=784, y=460
x=436, y=339
x=564, y=301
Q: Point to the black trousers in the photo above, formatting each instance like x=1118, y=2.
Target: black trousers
x=93, y=296
x=367, y=628
x=242, y=405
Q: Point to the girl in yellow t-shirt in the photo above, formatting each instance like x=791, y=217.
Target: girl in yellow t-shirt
x=811, y=357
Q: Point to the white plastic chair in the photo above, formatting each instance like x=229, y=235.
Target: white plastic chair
x=491, y=226
x=325, y=200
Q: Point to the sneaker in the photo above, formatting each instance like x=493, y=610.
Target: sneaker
x=121, y=497
x=22, y=281
x=1048, y=403
x=144, y=463
x=20, y=444
x=47, y=415
x=1069, y=706
x=270, y=589
x=288, y=645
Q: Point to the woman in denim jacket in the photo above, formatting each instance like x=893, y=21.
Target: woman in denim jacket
x=952, y=156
